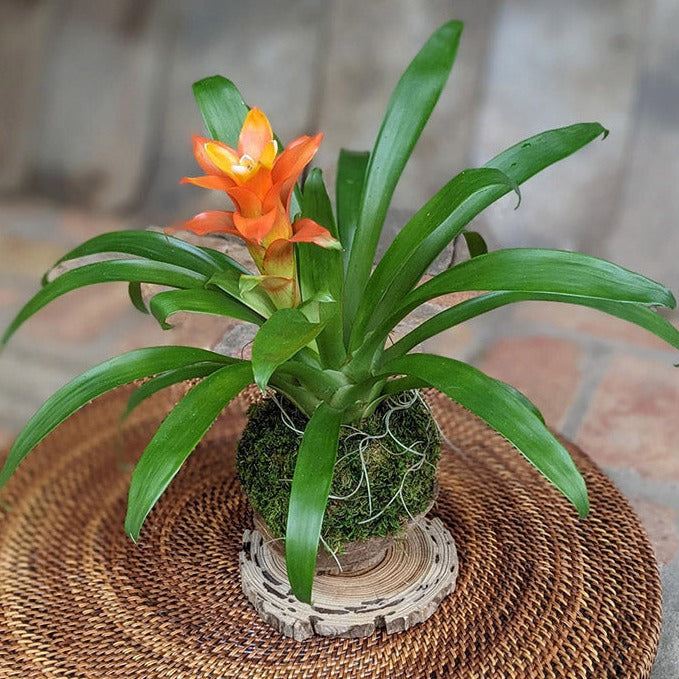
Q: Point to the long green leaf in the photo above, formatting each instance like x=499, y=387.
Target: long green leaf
x=534, y=271
x=409, y=108
x=475, y=243
x=525, y=159
x=320, y=271
x=164, y=304
x=177, y=437
x=222, y=107
x=408, y=383
x=130, y=270
x=168, y=379
x=318, y=267
x=530, y=269
x=351, y=167
x=285, y=333
x=504, y=412
x=634, y=313
x=158, y=247
x=136, y=297
x=309, y=497
x=426, y=236
x=95, y=382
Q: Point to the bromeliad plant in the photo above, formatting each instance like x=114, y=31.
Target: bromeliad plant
x=324, y=315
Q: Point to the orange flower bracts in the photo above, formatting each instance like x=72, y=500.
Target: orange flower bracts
x=260, y=182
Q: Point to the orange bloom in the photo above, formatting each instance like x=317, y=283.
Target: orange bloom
x=260, y=183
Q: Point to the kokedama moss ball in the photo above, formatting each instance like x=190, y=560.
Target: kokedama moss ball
x=397, y=448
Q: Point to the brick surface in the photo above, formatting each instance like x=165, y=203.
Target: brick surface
x=451, y=299
x=459, y=342
x=27, y=258
x=9, y=296
x=660, y=523
x=586, y=321
x=6, y=437
x=78, y=225
x=144, y=333
x=82, y=315
x=200, y=330
x=632, y=420
x=545, y=369
x=196, y=330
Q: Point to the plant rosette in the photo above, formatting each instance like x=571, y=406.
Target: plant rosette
x=345, y=448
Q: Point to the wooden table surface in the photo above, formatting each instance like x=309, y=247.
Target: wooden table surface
x=96, y=115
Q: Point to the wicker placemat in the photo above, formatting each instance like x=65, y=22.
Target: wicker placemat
x=540, y=594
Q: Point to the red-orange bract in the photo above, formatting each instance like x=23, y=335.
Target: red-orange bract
x=260, y=182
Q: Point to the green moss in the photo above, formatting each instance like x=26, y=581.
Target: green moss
x=266, y=460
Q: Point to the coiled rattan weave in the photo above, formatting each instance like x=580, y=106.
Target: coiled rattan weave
x=540, y=593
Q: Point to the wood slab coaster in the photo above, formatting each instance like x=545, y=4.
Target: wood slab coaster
x=402, y=590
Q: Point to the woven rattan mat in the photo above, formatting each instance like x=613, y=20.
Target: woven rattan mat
x=540, y=593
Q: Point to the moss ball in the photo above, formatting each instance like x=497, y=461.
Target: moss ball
x=398, y=446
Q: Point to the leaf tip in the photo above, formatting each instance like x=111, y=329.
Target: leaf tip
x=455, y=26
x=517, y=191
x=6, y=336
x=132, y=530
x=581, y=502
x=199, y=84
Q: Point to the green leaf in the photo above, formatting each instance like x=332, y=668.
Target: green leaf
x=408, y=383
x=168, y=379
x=351, y=168
x=405, y=262
x=525, y=159
x=634, y=313
x=95, y=382
x=230, y=283
x=475, y=243
x=409, y=108
x=137, y=299
x=158, y=247
x=309, y=497
x=318, y=266
x=222, y=107
x=177, y=437
x=320, y=271
x=131, y=270
x=279, y=339
x=499, y=407
x=420, y=241
x=535, y=270
x=164, y=304
x=525, y=401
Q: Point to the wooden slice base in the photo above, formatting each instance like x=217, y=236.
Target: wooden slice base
x=404, y=589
